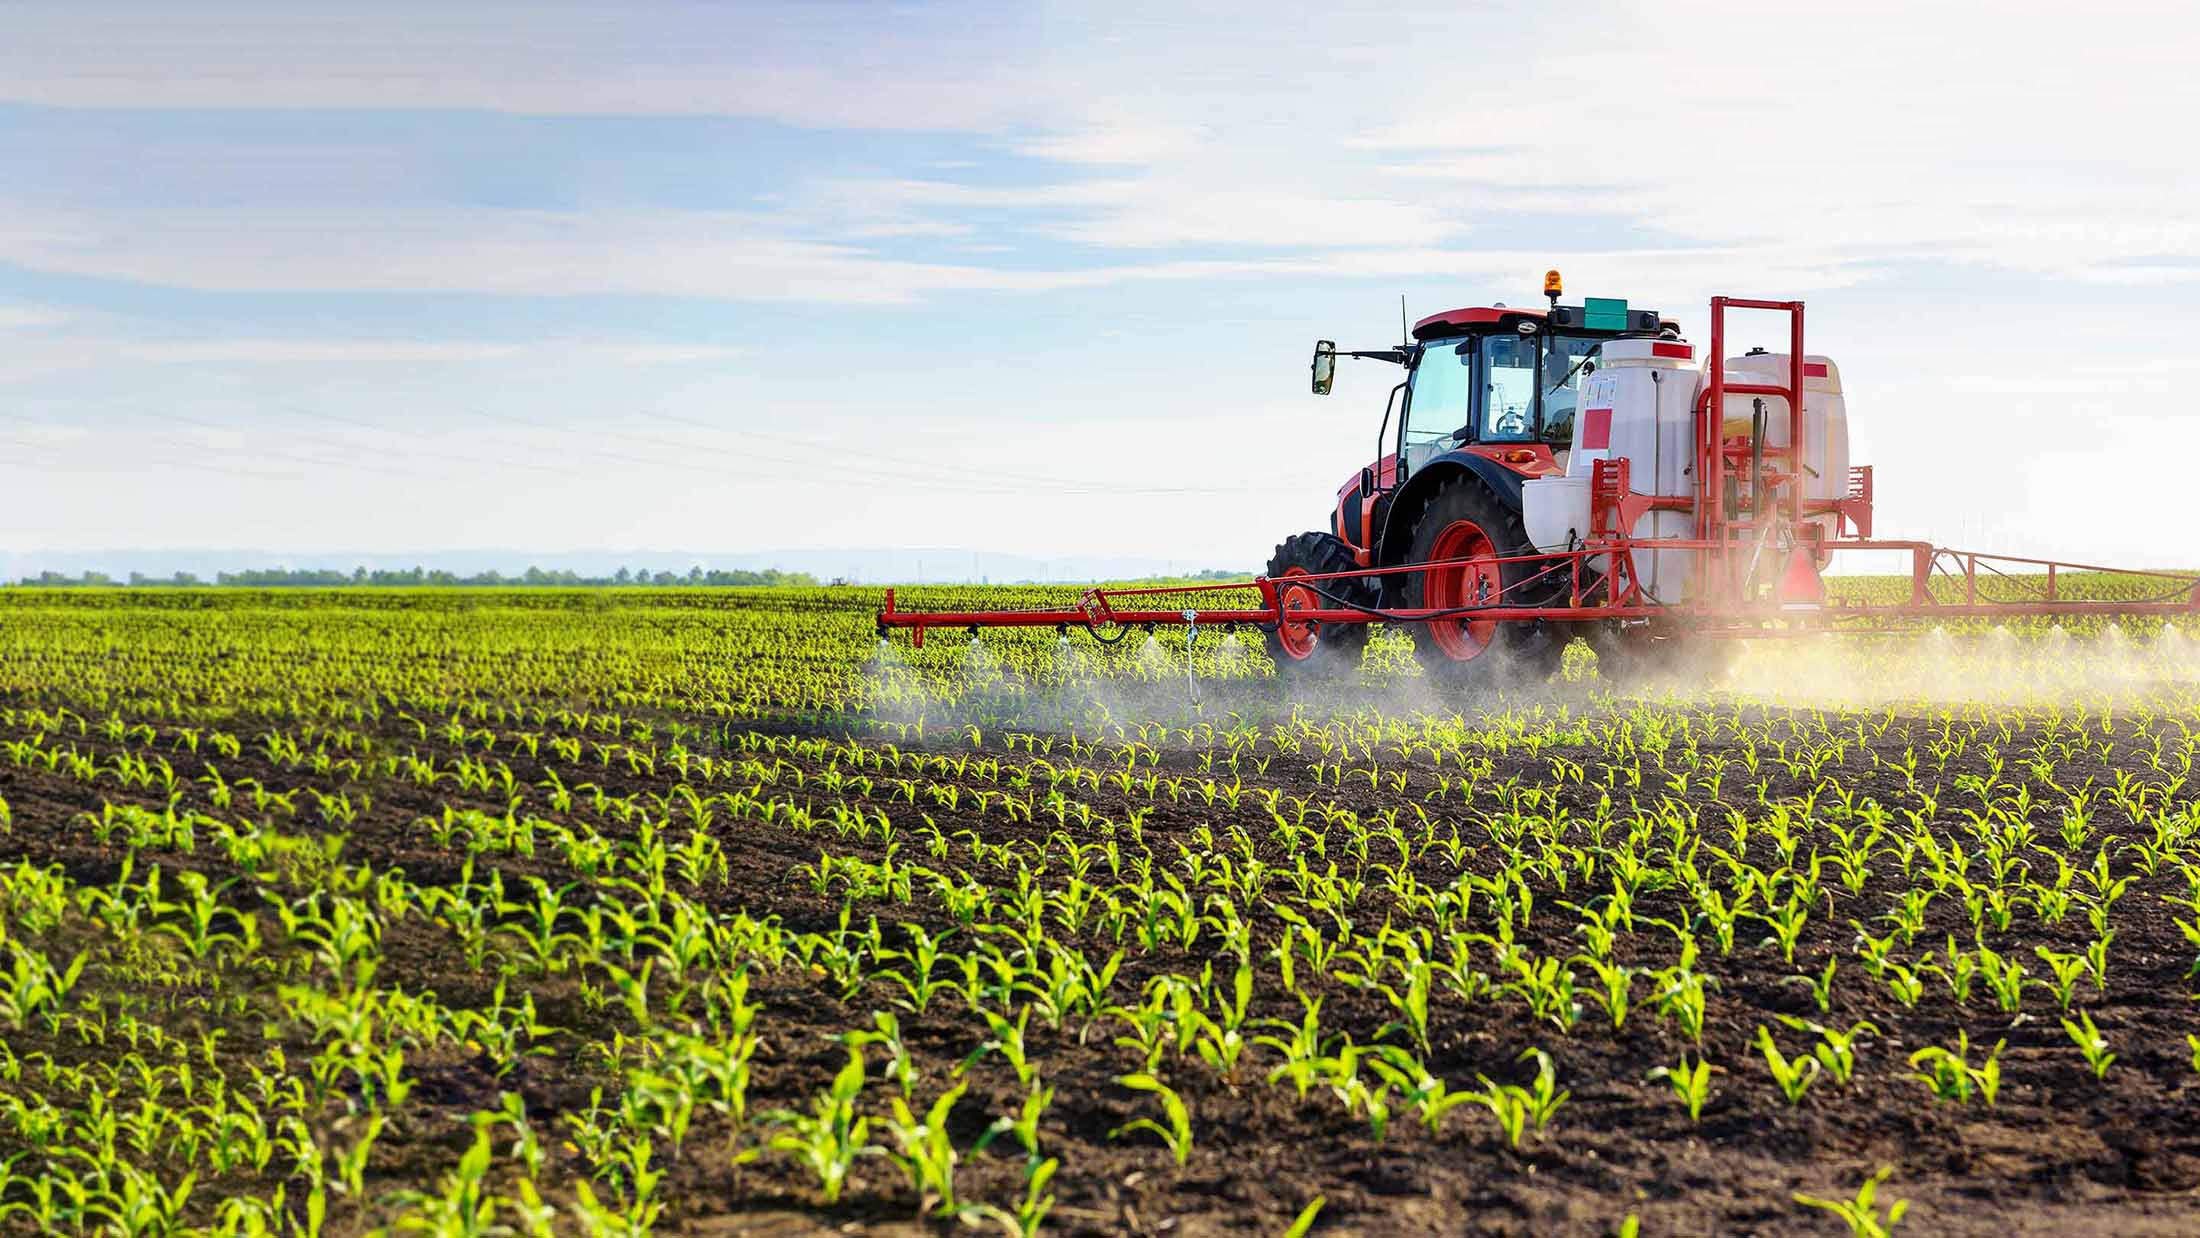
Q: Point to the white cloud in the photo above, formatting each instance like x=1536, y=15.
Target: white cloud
x=1666, y=152
x=17, y=317
x=711, y=254
x=2025, y=140
x=106, y=351
x=661, y=354
x=1166, y=213
x=371, y=352
x=508, y=252
x=1890, y=132
x=1116, y=142
x=801, y=63
x=319, y=352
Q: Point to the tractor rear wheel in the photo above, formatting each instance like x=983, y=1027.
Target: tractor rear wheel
x=1464, y=520
x=1306, y=649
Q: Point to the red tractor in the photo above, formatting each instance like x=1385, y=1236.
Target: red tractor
x=1487, y=404
x=1574, y=471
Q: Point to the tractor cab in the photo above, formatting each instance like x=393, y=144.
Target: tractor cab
x=1489, y=391
x=1504, y=381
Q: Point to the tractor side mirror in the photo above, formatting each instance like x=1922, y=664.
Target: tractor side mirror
x=1325, y=366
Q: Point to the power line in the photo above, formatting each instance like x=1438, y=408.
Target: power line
x=260, y=451
x=406, y=461
x=988, y=482
x=1070, y=485
x=188, y=466
x=494, y=461
x=949, y=470
x=743, y=458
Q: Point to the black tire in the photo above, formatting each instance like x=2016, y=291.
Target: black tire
x=1492, y=654
x=1316, y=651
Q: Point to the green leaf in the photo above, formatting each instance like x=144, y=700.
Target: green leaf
x=1306, y=1217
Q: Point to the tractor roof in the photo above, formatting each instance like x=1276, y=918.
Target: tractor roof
x=1505, y=318
x=1471, y=317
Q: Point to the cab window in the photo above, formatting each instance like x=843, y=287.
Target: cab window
x=1567, y=364
x=1509, y=387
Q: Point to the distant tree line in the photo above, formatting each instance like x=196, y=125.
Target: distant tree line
x=277, y=578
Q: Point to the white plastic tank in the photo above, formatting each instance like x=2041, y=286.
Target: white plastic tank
x=1638, y=405
x=1646, y=390
x=1555, y=511
x=1825, y=421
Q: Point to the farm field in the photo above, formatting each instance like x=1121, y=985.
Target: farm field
x=701, y=911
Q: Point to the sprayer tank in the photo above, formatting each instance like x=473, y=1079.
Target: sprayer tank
x=1639, y=405
x=1825, y=422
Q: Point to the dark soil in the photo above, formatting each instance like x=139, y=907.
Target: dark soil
x=2060, y=1152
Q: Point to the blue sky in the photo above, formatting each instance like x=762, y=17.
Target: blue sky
x=1038, y=278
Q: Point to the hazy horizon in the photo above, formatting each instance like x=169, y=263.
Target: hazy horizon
x=867, y=565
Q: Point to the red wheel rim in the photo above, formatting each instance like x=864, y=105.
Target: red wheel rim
x=1476, y=582
x=1297, y=637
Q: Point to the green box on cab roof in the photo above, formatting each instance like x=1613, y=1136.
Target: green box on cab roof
x=1604, y=313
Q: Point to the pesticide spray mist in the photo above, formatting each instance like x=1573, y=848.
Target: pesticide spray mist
x=1075, y=683
x=1999, y=666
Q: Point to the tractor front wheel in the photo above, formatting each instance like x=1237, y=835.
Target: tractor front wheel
x=1466, y=528
x=1306, y=648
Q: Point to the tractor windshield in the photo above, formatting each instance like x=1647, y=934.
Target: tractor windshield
x=1438, y=414
x=1527, y=392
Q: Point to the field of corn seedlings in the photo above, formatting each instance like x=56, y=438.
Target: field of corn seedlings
x=572, y=912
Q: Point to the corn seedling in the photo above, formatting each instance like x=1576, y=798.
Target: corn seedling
x=1861, y=1212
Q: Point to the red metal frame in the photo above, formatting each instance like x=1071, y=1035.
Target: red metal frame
x=1728, y=600
x=1100, y=608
